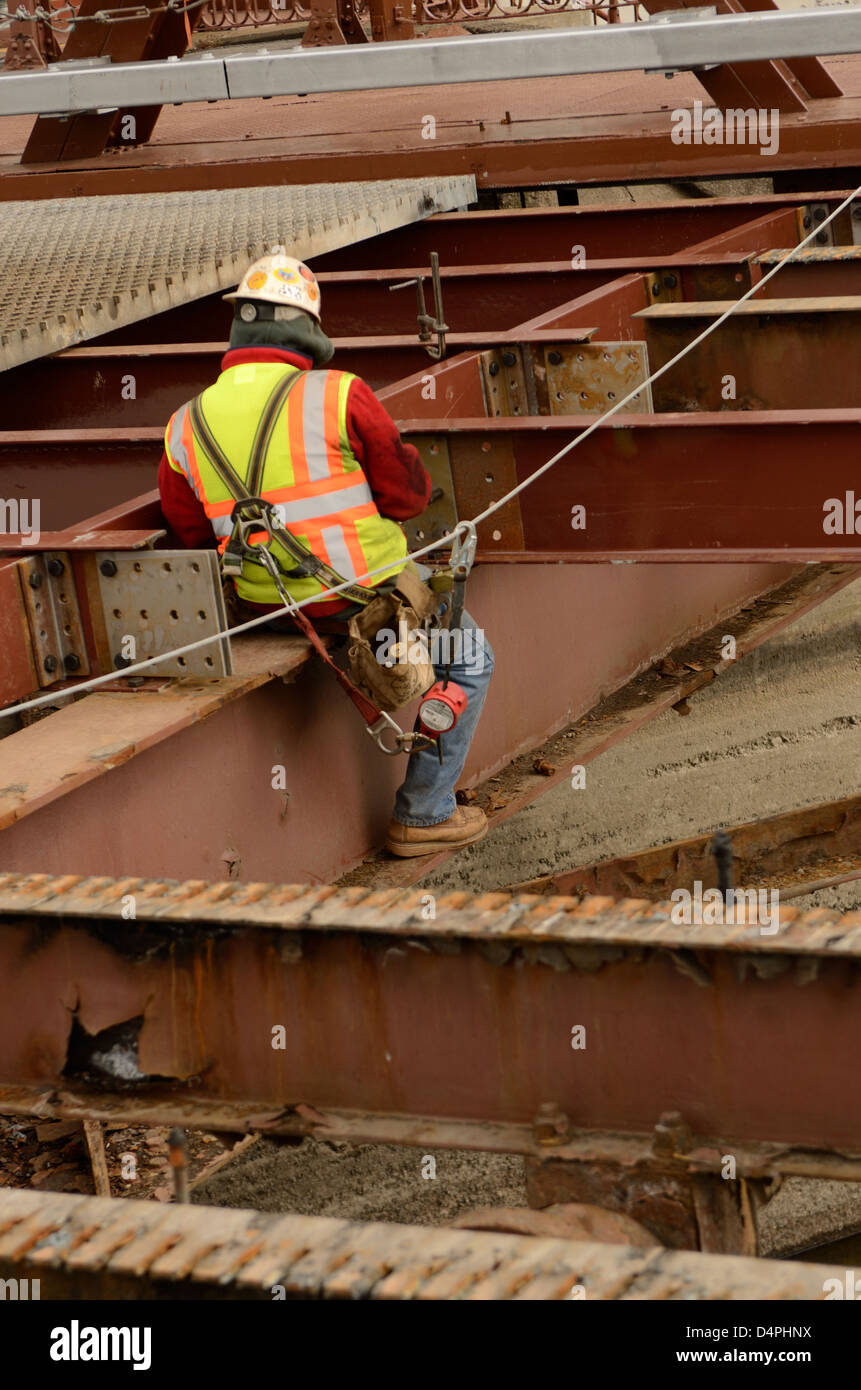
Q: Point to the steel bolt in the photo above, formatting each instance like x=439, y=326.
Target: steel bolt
x=50, y=663
x=121, y=662
x=821, y=238
x=493, y=369
x=856, y=213
x=56, y=567
x=554, y=358
x=72, y=661
x=670, y=282
x=672, y=1134
x=108, y=568
x=509, y=359
x=550, y=1125
x=36, y=580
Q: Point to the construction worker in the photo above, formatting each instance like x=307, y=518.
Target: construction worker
x=342, y=479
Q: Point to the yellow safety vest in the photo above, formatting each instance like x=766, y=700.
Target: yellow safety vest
x=311, y=475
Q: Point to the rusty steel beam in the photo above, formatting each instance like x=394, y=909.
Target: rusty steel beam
x=86, y=384
x=796, y=850
x=478, y=300
x=93, y=1248
x=573, y=1151
x=18, y=674
x=751, y=1037
x=82, y=537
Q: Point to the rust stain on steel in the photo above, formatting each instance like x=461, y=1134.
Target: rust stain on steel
x=92, y=1247
x=17, y=672
x=590, y=378
x=381, y=1006
x=633, y=1152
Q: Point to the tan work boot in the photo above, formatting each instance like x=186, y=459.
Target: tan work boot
x=467, y=825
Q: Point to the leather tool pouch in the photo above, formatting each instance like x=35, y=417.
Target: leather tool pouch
x=388, y=652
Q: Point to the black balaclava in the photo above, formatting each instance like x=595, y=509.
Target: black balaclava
x=301, y=334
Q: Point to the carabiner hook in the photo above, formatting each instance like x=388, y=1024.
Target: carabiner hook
x=463, y=548
x=412, y=742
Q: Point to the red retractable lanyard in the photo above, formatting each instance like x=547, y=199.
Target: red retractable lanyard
x=441, y=708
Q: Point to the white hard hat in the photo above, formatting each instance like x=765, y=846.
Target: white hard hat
x=281, y=279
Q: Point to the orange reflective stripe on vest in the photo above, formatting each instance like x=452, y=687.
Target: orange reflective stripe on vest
x=310, y=474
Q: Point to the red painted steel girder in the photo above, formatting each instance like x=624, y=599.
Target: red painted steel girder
x=77, y=474
x=524, y=235
x=83, y=388
x=534, y=148
x=494, y=294
x=697, y=483
x=676, y=485
x=477, y=299
x=780, y=354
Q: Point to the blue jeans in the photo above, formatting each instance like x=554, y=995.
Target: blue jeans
x=426, y=796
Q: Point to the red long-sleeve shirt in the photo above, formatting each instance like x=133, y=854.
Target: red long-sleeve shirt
x=395, y=473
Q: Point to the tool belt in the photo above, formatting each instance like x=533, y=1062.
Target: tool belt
x=407, y=671
x=407, y=608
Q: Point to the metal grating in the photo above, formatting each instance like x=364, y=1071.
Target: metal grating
x=78, y=267
x=68, y=1241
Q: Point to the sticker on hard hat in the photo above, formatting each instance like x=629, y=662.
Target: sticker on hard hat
x=312, y=292
x=257, y=280
x=309, y=274
x=285, y=274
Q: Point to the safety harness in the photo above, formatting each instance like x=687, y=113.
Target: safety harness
x=255, y=524
x=247, y=515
